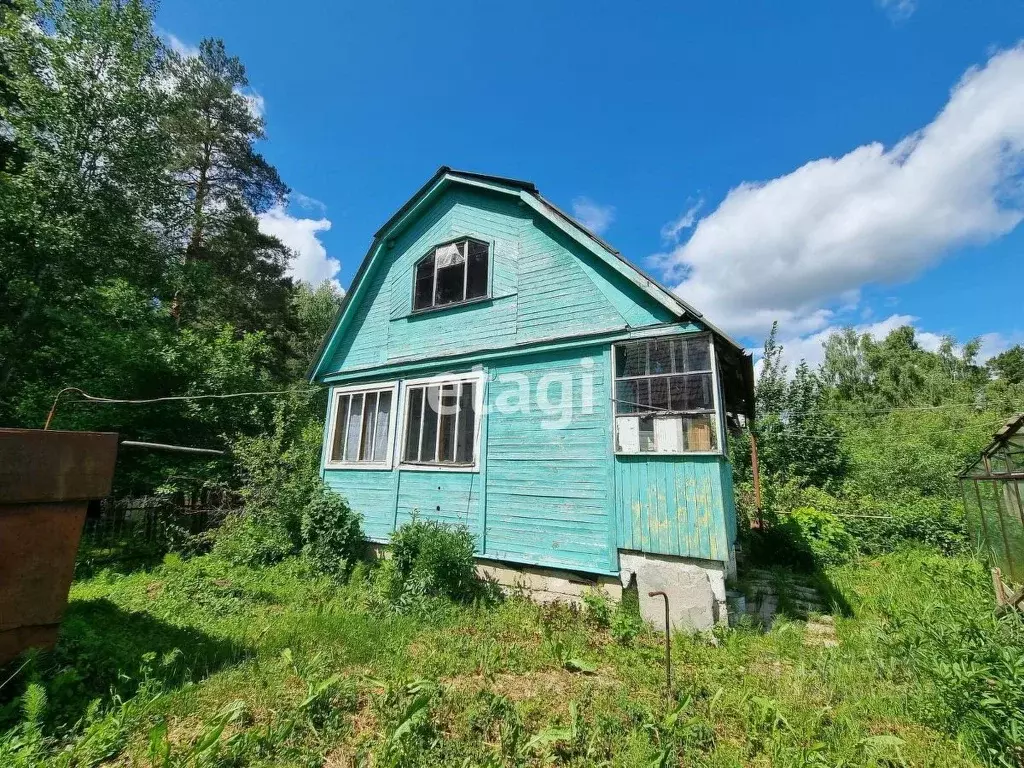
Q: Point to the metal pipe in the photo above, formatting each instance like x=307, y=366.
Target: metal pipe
x=668, y=646
x=172, y=448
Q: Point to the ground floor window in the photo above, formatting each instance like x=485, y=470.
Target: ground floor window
x=665, y=395
x=441, y=422
x=361, y=430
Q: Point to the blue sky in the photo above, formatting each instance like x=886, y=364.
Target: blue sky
x=823, y=164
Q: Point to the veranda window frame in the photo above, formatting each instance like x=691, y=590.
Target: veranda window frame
x=716, y=420
x=432, y=253
x=337, y=393
x=477, y=378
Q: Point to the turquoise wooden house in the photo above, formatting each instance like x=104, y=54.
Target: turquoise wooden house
x=496, y=365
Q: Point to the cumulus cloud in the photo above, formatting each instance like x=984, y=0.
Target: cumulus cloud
x=311, y=262
x=789, y=248
x=594, y=216
x=180, y=47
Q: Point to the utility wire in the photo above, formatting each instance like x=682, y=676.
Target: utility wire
x=87, y=398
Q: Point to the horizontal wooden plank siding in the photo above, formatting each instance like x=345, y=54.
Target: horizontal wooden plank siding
x=371, y=493
x=448, y=497
x=673, y=505
x=548, y=487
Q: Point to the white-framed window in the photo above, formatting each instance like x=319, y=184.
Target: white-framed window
x=452, y=273
x=441, y=422
x=361, y=432
x=666, y=395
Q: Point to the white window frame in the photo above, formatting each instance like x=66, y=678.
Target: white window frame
x=332, y=424
x=477, y=377
x=718, y=421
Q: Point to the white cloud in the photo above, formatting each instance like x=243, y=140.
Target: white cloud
x=307, y=203
x=671, y=232
x=257, y=105
x=898, y=10
x=180, y=47
x=593, y=216
x=789, y=248
x=311, y=262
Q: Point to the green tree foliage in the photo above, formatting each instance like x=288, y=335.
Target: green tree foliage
x=131, y=260
x=1009, y=365
x=875, y=437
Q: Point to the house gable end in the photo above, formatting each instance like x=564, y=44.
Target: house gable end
x=548, y=279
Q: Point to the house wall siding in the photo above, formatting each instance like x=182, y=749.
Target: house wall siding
x=673, y=505
x=544, y=286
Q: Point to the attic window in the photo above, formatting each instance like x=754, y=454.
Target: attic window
x=451, y=273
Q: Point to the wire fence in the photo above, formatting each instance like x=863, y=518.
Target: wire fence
x=147, y=527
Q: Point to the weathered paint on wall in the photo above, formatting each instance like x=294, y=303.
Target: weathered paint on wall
x=543, y=285
x=549, y=490
x=672, y=505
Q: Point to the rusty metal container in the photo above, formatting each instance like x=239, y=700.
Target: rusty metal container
x=47, y=479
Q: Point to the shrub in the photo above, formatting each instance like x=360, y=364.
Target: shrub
x=332, y=534
x=434, y=560
x=820, y=533
x=599, y=608
x=281, y=475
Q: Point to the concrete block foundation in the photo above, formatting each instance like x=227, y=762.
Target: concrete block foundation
x=547, y=585
x=695, y=589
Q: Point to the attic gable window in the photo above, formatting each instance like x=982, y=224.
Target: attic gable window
x=451, y=273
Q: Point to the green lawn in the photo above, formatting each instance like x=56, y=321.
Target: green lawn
x=201, y=663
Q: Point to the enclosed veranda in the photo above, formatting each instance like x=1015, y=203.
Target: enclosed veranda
x=992, y=501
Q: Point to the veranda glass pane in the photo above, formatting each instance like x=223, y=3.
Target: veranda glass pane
x=467, y=424
x=631, y=359
x=693, y=354
x=647, y=434
x=380, y=444
x=692, y=393
x=340, y=414
x=660, y=356
x=429, y=444
x=355, y=422
x=659, y=394
x=413, y=423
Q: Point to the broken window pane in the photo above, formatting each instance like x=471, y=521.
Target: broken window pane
x=467, y=425
x=449, y=284
x=476, y=279
x=424, y=284
x=631, y=359
x=380, y=445
x=428, y=444
x=340, y=420
x=413, y=421
x=448, y=411
x=355, y=421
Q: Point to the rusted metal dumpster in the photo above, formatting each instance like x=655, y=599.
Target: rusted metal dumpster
x=46, y=481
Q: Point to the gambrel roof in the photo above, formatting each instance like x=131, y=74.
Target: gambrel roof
x=529, y=196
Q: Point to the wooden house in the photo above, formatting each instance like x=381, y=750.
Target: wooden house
x=496, y=365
